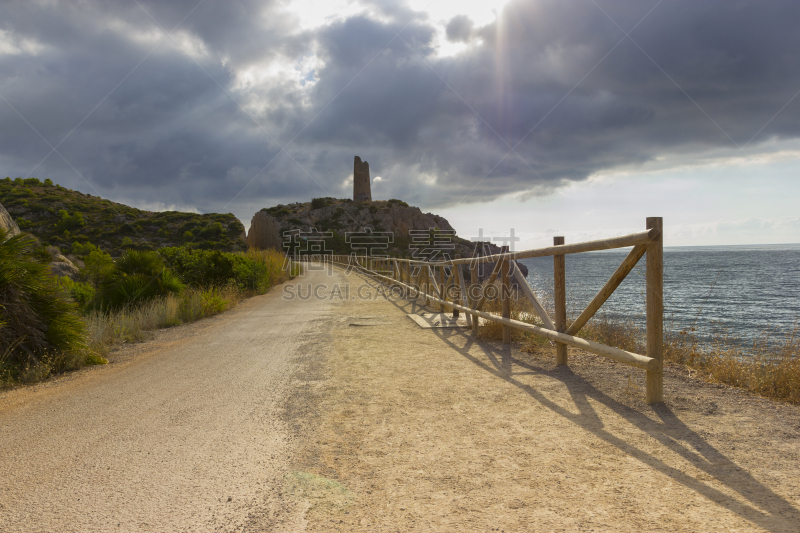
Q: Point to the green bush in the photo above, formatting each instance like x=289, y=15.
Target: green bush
x=212, y=268
x=137, y=276
x=82, y=294
x=69, y=222
x=200, y=268
x=40, y=330
x=319, y=203
x=83, y=248
x=98, y=267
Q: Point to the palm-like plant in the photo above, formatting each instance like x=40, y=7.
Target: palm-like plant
x=37, y=322
x=138, y=276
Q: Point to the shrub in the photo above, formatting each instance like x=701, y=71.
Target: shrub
x=40, y=330
x=200, y=268
x=137, y=276
x=83, y=248
x=98, y=267
x=69, y=222
x=319, y=203
x=251, y=272
x=81, y=293
x=398, y=202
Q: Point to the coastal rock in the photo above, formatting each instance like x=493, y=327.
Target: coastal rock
x=7, y=223
x=265, y=232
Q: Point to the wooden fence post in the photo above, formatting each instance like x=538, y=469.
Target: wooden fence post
x=426, y=276
x=655, y=311
x=505, y=295
x=560, y=297
x=440, y=284
x=473, y=279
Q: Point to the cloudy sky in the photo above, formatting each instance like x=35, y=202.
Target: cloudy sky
x=574, y=118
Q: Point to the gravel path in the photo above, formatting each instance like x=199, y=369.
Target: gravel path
x=341, y=414
x=435, y=430
x=185, y=432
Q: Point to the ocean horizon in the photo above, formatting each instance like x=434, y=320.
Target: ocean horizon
x=739, y=291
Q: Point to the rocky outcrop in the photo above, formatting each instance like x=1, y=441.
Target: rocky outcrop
x=340, y=217
x=61, y=266
x=7, y=223
x=265, y=232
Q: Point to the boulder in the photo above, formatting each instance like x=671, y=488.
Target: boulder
x=265, y=232
x=61, y=266
x=7, y=223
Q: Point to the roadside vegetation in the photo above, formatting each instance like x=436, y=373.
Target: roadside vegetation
x=768, y=366
x=49, y=325
x=40, y=330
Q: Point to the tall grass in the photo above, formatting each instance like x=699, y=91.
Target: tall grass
x=107, y=329
x=768, y=365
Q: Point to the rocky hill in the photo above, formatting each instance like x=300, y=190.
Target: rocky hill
x=340, y=216
x=62, y=217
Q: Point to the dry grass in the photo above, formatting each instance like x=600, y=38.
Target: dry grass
x=107, y=329
x=133, y=324
x=768, y=366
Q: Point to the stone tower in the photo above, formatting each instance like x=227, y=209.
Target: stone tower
x=361, y=187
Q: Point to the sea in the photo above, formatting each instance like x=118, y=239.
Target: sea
x=738, y=292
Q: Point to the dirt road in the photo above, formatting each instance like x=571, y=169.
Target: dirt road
x=182, y=433
x=339, y=413
x=435, y=430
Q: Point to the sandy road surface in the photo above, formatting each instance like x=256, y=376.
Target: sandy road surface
x=343, y=415
x=434, y=430
x=185, y=433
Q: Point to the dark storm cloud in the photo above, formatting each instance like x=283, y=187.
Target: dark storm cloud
x=557, y=81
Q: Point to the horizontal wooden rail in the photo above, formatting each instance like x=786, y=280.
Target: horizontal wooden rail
x=624, y=241
x=616, y=354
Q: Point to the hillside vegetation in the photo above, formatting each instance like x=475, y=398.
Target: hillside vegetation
x=76, y=222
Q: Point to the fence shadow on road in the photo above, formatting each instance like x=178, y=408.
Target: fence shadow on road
x=766, y=509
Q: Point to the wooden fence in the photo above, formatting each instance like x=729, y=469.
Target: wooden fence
x=431, y=280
